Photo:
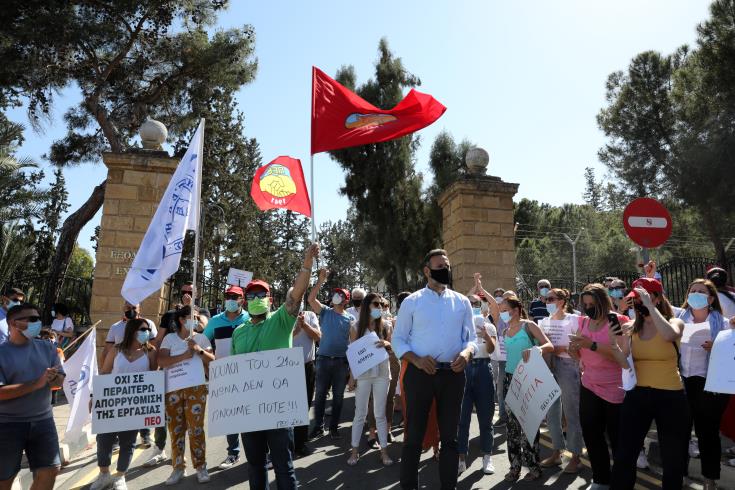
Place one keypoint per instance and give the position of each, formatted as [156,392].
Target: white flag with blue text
[80,369]
[160,251]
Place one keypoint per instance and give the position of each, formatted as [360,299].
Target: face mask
[590,312]
[12,303]
[356,303]
[143,336]
[53,313]
[337,299]
[131,314]
[191,324]
[698,300]
[259,306]
[375,313]
[498,299]
[34,328]
[232,305]
[551,308]
[641,310]
[385,315]
[616,293]
[631,313]
[477,311]
[442,276]
[544,291]
[505,316]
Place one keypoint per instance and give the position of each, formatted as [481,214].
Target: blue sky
[524,80]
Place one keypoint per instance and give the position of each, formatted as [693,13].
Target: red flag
[280,184]
[340,118]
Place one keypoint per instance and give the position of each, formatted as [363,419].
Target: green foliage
[81,264]
[341,251]
[14,250]
[20,198]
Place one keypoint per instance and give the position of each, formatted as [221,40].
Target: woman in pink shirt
[601,394]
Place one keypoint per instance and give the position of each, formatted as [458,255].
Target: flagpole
[313,201]
[200,176]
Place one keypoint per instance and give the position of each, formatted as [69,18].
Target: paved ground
[327,468]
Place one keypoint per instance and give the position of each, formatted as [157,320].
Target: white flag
[80,369]
[160,251]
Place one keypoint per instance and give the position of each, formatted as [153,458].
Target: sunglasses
[258,295]
[232,296]
[476,305]
[616,288]
[31,318]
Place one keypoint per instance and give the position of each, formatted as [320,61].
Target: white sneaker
[642,461]
[175,477]
[159,456]
[487,465]
[693,448]
[462,466]
[203,475]
[102,482]
[120,483]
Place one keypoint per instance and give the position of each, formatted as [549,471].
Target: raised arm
[316,306]
[670,330]
[293,300]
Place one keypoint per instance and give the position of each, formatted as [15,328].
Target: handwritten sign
[237,277]
[363,355]
[499,353]
[185,374]
[257,391]
[721,371]
[128,401]
[531,393]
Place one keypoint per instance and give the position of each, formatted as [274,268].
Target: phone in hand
[612,318]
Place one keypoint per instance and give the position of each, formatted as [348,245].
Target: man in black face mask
[435,333]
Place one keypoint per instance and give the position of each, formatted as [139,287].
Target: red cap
[234,290]
[258,282]
[343,292]
[480,295]
[649,284]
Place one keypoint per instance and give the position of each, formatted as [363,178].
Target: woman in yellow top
[658,393]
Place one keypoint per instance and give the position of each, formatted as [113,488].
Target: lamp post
[574,256]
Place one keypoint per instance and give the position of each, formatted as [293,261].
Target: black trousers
[301,433]
[706,411]
[599,418]
[447,388]
[670,410]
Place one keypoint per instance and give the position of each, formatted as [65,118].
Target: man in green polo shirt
[266,331]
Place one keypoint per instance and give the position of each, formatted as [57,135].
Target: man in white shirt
[306,334]
[435,333]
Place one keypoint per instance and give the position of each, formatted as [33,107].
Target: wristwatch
[593,347]
[201,352]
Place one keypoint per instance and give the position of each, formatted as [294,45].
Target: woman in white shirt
[134,354]
[62,324]
[185,349]
[375,380]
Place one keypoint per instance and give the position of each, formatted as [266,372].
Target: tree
[50,221]
[341,252]
[593,193]
[81,263]
[20,197]
[129,60]
[381,182]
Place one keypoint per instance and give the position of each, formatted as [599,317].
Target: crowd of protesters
[617,356]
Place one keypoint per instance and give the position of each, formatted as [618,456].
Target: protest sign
[499,353]
[558,330]
[237,277]
[185,374]
[363,355]
[695,333]
[128,401]
[721,371]
[532,391]
[257,391]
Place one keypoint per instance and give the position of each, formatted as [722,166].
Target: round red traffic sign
[647,222]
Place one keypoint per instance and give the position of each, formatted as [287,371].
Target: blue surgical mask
[232,305]
[505,316]
[616,293]
[375,313]
[698,300]
[143,336]
[551,308]
[12,303]
[544,292]
[53,313]
[477,311]
[34,328]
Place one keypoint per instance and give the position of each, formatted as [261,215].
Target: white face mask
[337,299]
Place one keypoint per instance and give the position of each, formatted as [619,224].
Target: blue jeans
[499,374]
[39,440]
[479,390]
[105,442]
[566,372]
[330,371]
[279,443]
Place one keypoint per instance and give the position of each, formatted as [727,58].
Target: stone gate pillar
[136,181]
[478,227]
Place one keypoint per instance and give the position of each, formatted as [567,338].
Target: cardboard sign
[721,371]
[237,277]
[532,391]
[129,401]
[185,374]
[257,391]
[363,355]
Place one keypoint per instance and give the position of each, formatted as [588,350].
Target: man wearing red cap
[219,332]
[267,331]
[332,368]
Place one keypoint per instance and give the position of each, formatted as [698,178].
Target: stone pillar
[136,181]
[478,231]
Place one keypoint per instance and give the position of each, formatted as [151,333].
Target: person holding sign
[374,381]
[703,320]
[558,327]
[659,392]
[522,336]
[134,354]
[187,354]
[267,331]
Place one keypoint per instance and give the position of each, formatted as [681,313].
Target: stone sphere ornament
[153,133]
[477,160]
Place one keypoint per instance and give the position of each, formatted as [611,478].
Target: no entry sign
[647,222]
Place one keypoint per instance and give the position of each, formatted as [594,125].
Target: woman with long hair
[134,354]
[521,336]
[374,381]
[601,394]
[658,394]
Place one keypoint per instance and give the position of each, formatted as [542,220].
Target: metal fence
[75,293]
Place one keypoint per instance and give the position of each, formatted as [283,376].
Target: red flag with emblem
[280,184]
[340,118]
